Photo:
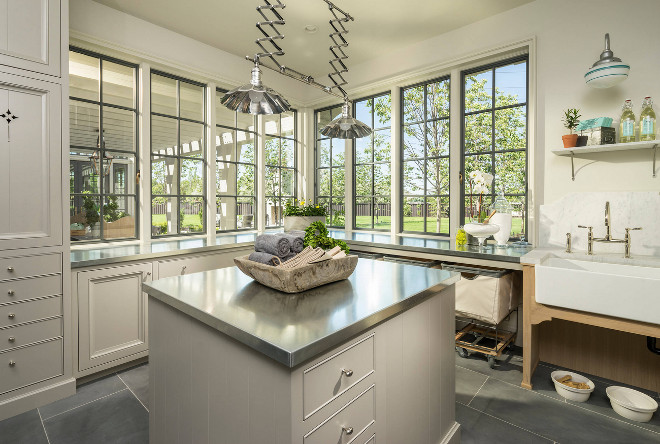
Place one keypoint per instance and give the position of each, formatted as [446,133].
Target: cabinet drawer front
[28,333]
[13,314]
[347,423]
[30,365]
[20,289]
[26,266]
[329,379]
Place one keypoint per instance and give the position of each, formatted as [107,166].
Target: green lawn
[188,219]
[417,224]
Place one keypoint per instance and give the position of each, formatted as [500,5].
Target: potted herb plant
[571,120]
[298,216]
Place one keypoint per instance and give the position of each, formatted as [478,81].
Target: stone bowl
[299,279]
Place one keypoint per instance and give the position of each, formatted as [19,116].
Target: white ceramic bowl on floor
[573,394]
[631,404]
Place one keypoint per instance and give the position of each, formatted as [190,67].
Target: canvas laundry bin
[484,294]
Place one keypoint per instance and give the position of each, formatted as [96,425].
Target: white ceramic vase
[299,223]
[481,231]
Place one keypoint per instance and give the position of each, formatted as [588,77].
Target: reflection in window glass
[235,144]
[495,135]
[329,169]
[177,155]
[280,162]
[103,147]
[372,207]
[425,132]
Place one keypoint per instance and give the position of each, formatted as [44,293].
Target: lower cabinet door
[112,314]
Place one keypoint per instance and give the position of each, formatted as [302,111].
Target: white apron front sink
[622,291]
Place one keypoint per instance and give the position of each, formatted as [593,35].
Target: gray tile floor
[490,406]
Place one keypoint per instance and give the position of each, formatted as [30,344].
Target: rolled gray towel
[262,258]
[295,240]
[272,244]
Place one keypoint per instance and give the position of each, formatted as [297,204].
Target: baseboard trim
[37,398]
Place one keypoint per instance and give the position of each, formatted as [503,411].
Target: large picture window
[178,120]
[329,162]
[372,165]
[235,155]
[103,147]
[280,164]
[495,135]
[425,157]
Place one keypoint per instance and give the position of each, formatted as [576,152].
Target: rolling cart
[484,298]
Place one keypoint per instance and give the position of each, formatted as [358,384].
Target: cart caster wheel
[491,362]
[463,353]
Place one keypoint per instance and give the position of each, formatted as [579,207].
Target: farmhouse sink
[623,291]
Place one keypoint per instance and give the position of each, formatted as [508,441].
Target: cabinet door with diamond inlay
[30,163]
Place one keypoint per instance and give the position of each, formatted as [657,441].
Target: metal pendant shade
[345,126]
[255,97]
[608,70]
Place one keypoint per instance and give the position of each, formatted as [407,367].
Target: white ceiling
[379,26]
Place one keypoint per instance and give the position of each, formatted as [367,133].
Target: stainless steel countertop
[294,328]
[90,255]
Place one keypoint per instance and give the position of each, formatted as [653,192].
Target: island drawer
[13,314]
[25,266]
[29,365]
[349,422]
[20,289]
[28,333]
[333,376]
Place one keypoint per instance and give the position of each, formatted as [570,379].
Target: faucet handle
[587,227]
[633,229]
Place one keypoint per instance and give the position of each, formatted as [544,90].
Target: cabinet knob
[347,430]
[12,339]
[10,292]
[10,269]
[12,363]
[12,315]
[347,372]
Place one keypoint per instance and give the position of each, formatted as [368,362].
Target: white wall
[98,27]
[570,37]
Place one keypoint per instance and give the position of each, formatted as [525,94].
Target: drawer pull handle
[347,372]
[10,292]
[12,315]
[12,363]
[10,269]
[12,339]
[347,430]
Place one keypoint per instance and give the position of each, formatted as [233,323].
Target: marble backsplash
[627,210]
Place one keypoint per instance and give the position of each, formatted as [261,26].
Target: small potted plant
[571,120]
[298,216]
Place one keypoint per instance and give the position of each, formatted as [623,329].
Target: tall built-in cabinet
[35,303]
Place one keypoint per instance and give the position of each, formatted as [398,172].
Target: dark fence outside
[194,207]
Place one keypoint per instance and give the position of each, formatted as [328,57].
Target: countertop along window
[103,147]
[178,119]
[235,145]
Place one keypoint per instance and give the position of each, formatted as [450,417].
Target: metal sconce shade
[346,127]
[608,70]
[255,98]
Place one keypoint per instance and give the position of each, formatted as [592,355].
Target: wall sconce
[608,70]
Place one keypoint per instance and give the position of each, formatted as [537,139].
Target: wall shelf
[594,149]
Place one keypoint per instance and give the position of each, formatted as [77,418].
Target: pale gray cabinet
[30,163]
[30,37]
[112,316]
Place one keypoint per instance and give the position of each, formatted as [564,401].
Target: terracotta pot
[570,140]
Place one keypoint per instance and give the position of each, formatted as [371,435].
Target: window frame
[373,196]
[401,157]
[235,129]
[330,167]
[492,152]
[280,197]
[178,157]
[136,152]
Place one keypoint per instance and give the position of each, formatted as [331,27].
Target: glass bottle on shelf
[627,125]
[647,121]
[503,218]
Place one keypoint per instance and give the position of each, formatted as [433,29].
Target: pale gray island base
[372,356]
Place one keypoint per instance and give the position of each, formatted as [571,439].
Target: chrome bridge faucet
[608,235]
